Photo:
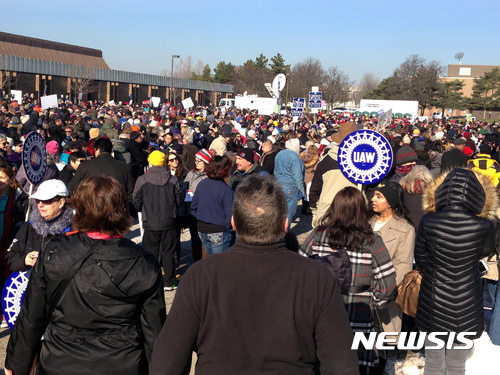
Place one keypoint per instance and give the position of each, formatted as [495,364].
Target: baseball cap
[50,189]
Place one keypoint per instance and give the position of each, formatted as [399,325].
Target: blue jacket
[213,202]
[289,169]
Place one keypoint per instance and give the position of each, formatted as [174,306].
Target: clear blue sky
[357,36]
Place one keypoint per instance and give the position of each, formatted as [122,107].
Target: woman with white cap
[51,217]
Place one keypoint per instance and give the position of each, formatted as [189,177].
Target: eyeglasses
[68,131]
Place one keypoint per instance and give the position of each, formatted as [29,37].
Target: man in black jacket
[257,308]
[157,194]
[138,152]
[245,166]
[69,170]
[105,165]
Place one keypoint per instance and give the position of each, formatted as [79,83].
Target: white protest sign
[384,120]
[188,103]
[156,101]
[49,101]
[16,95]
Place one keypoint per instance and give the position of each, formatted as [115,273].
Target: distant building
[466,74]
[44,67]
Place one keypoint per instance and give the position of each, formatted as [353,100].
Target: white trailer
[399,108]
[265,106]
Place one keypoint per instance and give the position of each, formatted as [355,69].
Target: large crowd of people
[235,179]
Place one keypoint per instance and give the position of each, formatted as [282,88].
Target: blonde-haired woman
[310,157]
[414,184]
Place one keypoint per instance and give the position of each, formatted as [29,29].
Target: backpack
[339,264]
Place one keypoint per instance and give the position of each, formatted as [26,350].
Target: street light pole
[172,77]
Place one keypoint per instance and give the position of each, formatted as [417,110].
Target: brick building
[467,74]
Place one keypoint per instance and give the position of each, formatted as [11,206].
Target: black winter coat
[104,164]
[108,318]
[158,195]
[452,237]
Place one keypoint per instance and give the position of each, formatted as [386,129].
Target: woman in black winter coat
[455,233]
[107,318]
[50,217]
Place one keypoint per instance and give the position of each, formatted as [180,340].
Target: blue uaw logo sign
[365,157]
[34,158]
[13,295]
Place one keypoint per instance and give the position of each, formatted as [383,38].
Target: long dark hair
[346,221]
[180,170]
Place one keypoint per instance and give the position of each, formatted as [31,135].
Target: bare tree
[251,78]
[214,97]
[183,69]
[368,83]
[80,81]
[337,86]
[7,79]
[416,79]
[306,74]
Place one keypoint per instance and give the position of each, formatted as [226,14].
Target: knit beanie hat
[405,155]
[204,155]
[93,133]
[389,193]
[52,147]
[247,154]
[485,149]
[134,135]
[156,158]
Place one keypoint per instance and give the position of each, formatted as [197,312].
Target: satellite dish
[459,56]
[270,90]
[279,83]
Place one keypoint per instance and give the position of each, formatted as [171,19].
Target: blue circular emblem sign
[365,157]
[13,295]
[34,158]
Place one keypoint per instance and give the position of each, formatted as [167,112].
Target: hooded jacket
[108,318]
[457,230]
[328,180]
[158,194]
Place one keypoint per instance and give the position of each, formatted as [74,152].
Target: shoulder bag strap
[56,297]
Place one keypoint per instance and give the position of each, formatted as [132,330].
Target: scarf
[55,226]
[405,169]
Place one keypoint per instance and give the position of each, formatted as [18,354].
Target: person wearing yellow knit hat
[157,194]
[156,158]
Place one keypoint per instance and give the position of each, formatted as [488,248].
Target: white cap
[50,189]
[251,132]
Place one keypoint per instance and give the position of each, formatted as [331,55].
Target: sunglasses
[46,202]
[4,143]
[174,159]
